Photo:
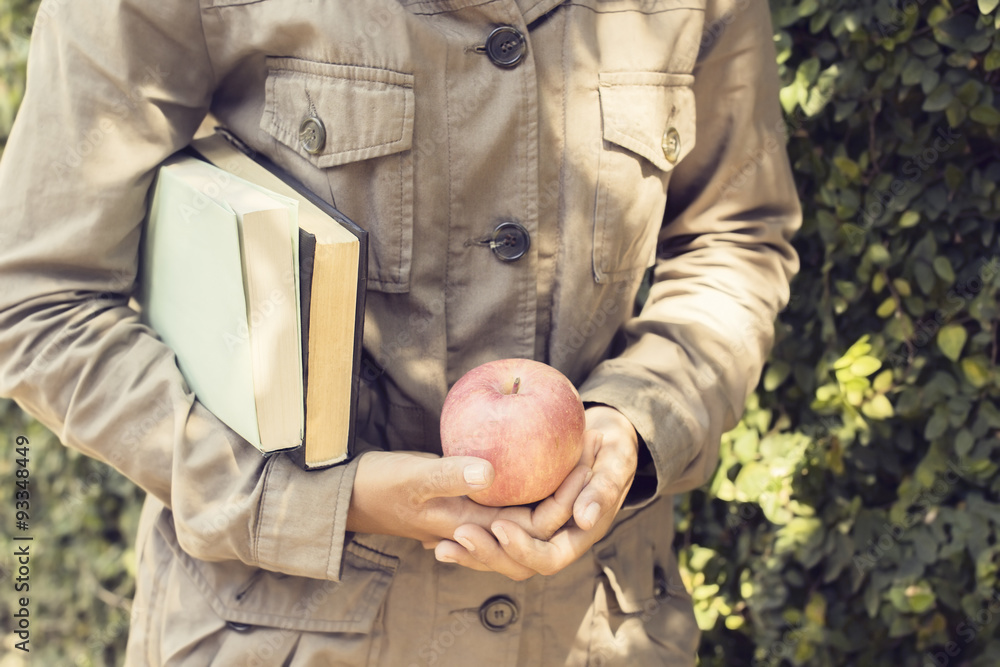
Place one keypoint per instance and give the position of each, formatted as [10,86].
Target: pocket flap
[239,593]
[363,112]
[627,561]
[651,114]
[637,558]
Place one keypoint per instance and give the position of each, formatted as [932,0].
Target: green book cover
[209,239]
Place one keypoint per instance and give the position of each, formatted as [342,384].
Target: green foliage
[83,514]
[15,26]
[83,517]
[854,515]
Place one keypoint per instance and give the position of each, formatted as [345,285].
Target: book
[219,284]
[332,280]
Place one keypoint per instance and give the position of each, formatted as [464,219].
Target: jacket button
[510,241]
[498,613]
[671,144]
[237,627]
[505,46]
[312,135]
[660,586]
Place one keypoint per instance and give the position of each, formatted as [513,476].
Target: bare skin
[422,496]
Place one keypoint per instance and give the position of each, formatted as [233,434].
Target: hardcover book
[318,299]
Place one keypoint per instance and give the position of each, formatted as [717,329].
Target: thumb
[454,476]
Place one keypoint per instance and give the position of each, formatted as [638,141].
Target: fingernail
[501,535]
[475,474]
[465,543]
[446,559]
[592,513]
[590,474]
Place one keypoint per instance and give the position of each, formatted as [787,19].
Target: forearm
[73,182]
[724,261]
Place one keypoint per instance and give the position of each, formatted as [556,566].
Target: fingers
[452,476]
[614,469]
[512,552]
[545,557]
[477,549]
[552,513]
[418,495]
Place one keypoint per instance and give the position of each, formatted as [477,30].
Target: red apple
[524,417]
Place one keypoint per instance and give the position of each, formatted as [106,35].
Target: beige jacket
[575,123]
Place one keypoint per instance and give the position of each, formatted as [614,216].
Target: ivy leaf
[936,426]
[987,6]
[776,373]
[865,366]
[920,598]
[976,372]
[942,267]
[939,98]
[951,339]
[985,114]
[883,381]
[925,276]
[992,59]
[886,308]
[909,219]
[847,167]
[878,408]
[964,442]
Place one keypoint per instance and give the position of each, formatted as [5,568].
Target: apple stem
[517,383]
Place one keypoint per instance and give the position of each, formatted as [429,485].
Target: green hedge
[854,516]
[83,515]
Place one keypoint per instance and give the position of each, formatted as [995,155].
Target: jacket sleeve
[724,260]
[114,87]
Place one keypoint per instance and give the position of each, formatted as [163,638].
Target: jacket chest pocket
[648,125]
[356,124]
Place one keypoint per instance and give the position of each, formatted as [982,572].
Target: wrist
[608,420]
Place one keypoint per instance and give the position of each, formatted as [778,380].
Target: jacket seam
[632,10]
[261,505]
[208,52]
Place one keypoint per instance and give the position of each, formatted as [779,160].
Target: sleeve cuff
[302,518]
[665,429]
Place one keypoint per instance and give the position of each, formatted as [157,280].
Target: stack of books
[258,286]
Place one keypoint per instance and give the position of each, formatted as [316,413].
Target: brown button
[671,144]
[312,135]
[505,46]
[498,613]
[510,241]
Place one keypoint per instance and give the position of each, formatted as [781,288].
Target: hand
[422,496]
[611,447]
